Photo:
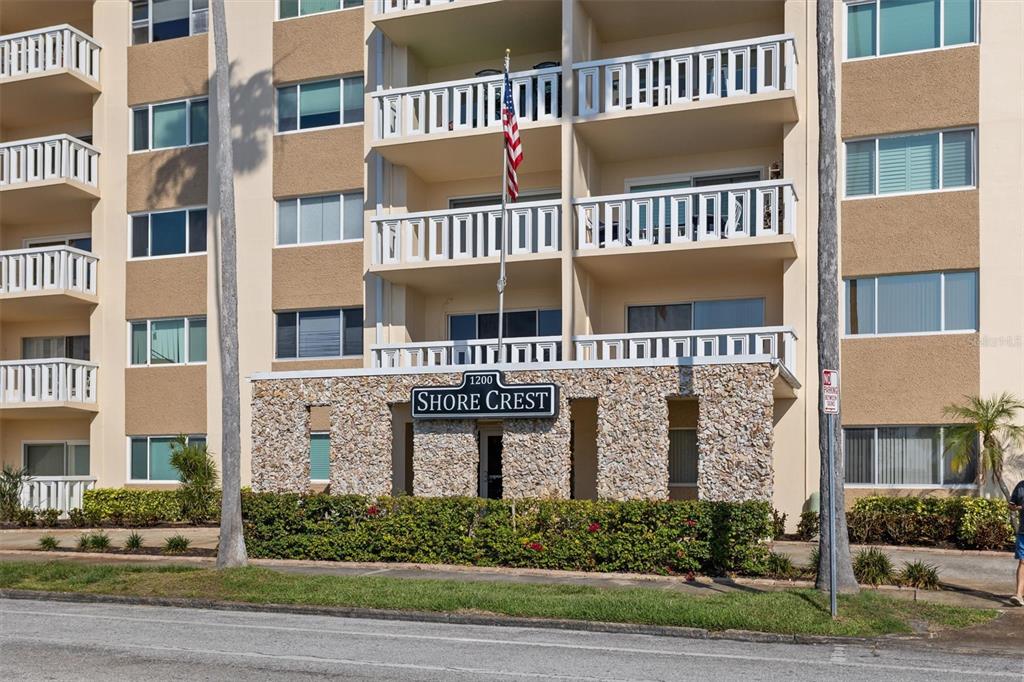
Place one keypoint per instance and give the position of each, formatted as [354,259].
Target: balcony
[520,350]
[688,100]
[57,387]
[383,7]
[62,493]
[48,76]
[47,179]
[754,215]
[46,282]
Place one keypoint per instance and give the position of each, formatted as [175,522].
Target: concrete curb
[448,618]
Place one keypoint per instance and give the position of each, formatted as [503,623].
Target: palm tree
[231,547]
[992,422]
[828,306]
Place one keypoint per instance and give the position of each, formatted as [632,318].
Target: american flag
[513,147]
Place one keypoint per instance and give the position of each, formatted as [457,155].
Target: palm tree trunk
[997,467]
[231,548]
[828,305]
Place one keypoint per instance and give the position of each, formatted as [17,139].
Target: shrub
[77,516]
[671,537]
[99,541]
[11,482]
[84,542]
[25,517]
[807,529]
[197,492]
[48,543]
[48,518]
[966,522]
[138,508]
[813,560]
[778,524]
[872,566]
[780,566]
[920,575]
[133,541]
[176,544]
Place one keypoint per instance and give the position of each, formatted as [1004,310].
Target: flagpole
[504,232]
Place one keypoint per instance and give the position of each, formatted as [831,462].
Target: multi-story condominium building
[661,257]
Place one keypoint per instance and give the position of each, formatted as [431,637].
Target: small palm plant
[992,421]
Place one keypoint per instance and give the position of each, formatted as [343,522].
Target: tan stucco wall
[166,70]
[165,400]
[169,178]
[11,333]
[914,233]
[318,276]
[854,493]
[318,161]
[150,284]
[318,46]
[935,89]
[306,365]
[15,432]
[906,379]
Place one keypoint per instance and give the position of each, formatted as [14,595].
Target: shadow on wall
[252,113]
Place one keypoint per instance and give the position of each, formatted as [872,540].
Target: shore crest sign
[485,395]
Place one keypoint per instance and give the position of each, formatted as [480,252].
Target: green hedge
[132,507]
[966,522]
[648,537]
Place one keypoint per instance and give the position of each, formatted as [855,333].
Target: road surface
[63,641]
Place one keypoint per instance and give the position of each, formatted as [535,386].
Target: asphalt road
[63,641]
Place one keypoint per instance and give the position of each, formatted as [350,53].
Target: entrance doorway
[490,462]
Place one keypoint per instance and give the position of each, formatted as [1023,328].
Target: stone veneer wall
[734,433]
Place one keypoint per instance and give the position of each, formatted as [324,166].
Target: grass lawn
[791,612]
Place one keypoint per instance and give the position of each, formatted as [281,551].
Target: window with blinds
[903,456]
[882,27]
[682,456]
[320,104]
[912,303]
[320,219]
[330,333]
[905,164]
[319,456]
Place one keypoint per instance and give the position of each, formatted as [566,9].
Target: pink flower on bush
[372,510]
[690,576]
[691,523]
[594,527]
[535,546]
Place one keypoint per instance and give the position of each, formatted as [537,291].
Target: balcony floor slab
[45,99]
[34,306]
[58,409]
[459,276]
[52,201]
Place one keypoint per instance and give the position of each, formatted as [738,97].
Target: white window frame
[692,303]
[149,114]
[188,238]
[942,180]
[149,341]
[128,456]
[898,486]
[341,333]
[30,242]
[298,223]
[319,433]
[476,314]
[68,444]
[686,485]
[942,306]
[298,98]
[878,32]
[630,183]
[192,13]
[300,15]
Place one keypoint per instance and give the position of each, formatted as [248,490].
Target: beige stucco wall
[149,283]
[934,89]
[166,70]
[321,276]
[906,379]
[318,161]
[165,400]
[913,233]
[170,178]
[318,46]
[11,333]
[14,433]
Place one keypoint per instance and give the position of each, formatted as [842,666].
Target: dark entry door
[492,445]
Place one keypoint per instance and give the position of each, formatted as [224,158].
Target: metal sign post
[830,405]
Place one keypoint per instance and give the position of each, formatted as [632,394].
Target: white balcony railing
[520,350]
[49,49]
[457,234]
[47,268]
[742,344]
[697,214]
[25,382]
[469,104]
[395,6]
[742,67]
[48,158]
[63,493]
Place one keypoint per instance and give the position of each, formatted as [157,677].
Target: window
[294,8]
[518,324]
[320,333]
[682,457]
[495,199]
[150,457]
[168,233]
[908,304]
[155,20]
[83,242]
[320,456]
[170,124]
[320,104]
[57,459]
[905,164]
[902,456]
[44,347]
[724,314]
[881,27]
[314,220]
[171,341]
